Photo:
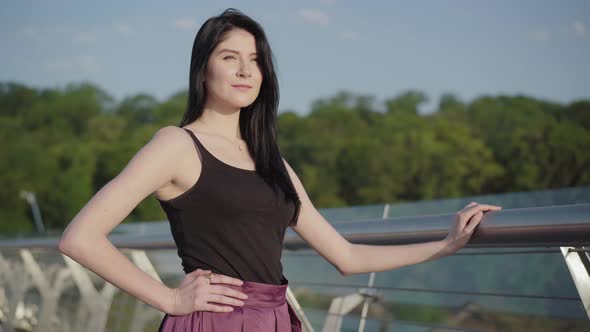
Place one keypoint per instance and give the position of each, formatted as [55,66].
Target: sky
[380,48]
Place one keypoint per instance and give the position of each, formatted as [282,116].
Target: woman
[229,197]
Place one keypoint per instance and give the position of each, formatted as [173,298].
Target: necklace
[227,138]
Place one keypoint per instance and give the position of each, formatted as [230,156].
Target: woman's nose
[244,73]
[244,70]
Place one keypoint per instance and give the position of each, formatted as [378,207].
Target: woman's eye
[233,57]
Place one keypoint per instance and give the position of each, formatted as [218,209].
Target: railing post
[49,292]
[371,283]
[15,282]
[305,324]
[93,311]
[578,263]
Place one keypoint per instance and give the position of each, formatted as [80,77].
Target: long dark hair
[258,121]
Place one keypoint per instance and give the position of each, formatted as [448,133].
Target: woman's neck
[224,124]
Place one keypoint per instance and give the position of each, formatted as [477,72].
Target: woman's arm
[351,258]
[372,258]
[85,238]
[365,258]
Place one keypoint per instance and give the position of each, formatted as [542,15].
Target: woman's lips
[242,87]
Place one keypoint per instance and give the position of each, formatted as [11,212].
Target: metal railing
[565,228]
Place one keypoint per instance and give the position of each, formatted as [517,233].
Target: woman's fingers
[200,286]
[468,218]
[215,287]
[465,223]
[223,279]
[475,220]
[222,290]
[472,210]
[223,299]
[467,206]
[192,277]
[198,272]
[475,203]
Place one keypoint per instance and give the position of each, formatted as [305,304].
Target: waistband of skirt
[262,295]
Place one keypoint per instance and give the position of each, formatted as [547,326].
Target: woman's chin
[243,104]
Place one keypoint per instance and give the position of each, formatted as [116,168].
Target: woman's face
[233,62]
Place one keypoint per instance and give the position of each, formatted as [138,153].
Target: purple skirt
[265,309]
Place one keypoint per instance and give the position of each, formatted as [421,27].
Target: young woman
[229,196]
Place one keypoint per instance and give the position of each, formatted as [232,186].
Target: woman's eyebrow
[234,51]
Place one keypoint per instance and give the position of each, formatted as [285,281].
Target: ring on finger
[210,276]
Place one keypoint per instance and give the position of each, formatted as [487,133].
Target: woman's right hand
[465,223]
[196,293]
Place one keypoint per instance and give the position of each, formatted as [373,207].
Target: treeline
[64,144]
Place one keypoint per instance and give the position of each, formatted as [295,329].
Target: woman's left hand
[465,222]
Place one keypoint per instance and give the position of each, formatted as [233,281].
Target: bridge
[526,268]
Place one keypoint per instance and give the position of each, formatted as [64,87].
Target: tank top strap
[201,150]
[210,160]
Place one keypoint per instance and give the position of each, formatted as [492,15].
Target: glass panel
[352,213]
[564,196]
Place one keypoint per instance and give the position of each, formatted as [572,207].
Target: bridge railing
[45,290]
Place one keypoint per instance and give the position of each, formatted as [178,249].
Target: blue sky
[380,48]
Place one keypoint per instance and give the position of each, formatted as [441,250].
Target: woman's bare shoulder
[158,161]
[176,153]
[170,134]
[172,140]
[172,145]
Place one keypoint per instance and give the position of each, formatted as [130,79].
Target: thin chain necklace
[227,138]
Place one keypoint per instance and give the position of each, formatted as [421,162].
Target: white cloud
[61,31]
[124,29]
[579,28]
[186,24]
[83,63]
[314,17]
[349,35]
[575,29]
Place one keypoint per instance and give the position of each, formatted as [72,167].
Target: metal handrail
[432,291]
[563,226]
[548,226]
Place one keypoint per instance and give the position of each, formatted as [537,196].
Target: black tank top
[230,222]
